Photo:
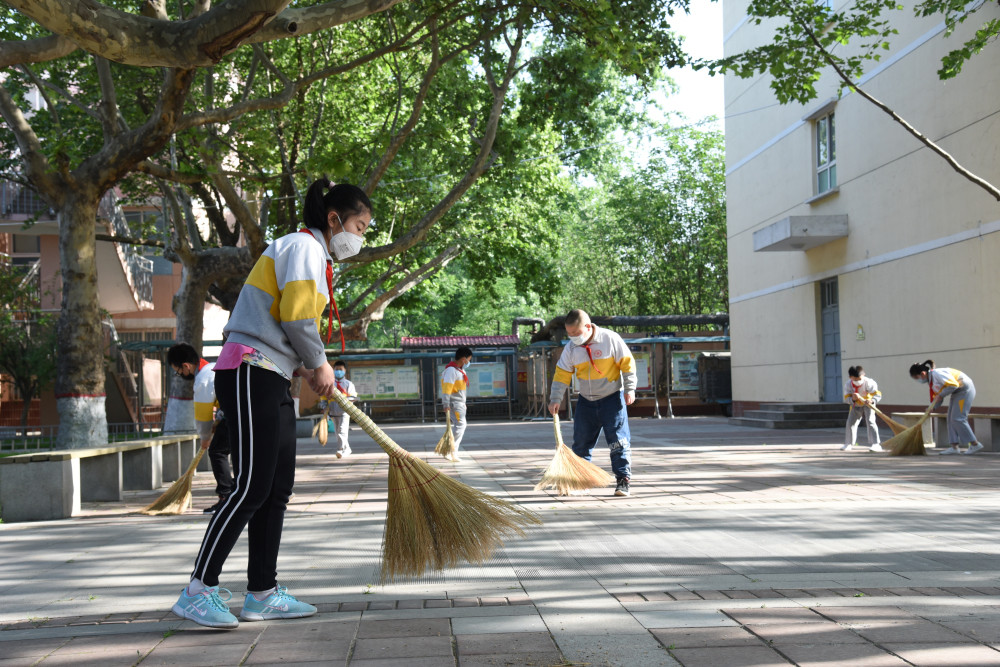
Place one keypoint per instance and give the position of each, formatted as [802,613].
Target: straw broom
[446,445]
[568,472]
[911,441]
[177,498]
[432,520]
[896,427]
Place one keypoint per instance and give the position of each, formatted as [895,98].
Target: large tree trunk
[79,384]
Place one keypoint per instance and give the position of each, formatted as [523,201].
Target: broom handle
[369,427]
[555,423]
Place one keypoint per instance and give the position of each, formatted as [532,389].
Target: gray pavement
[739,546]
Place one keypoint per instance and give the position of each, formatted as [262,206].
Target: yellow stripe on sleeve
[263,278]
[301,301]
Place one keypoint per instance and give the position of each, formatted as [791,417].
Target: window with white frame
[826,153]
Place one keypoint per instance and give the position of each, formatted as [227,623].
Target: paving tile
[863,614]
[839,655]
[436,661]
[657,597]
[354,606]
[29,648]
[739,595]
[691,618]
[770,615]
[712,595]
[911,632]
[437,604]
[489,644]
[402,647]
[202,654]
[987,632]
[385,604]
[497,624]
[704,637]
[805,633]
[626,598]
[466,602]
[413,627]
[684,595]
[410,604]
[552,658]
[273,652]
[138,641]
[493,602]
[946,655]
[744,656]
[309,631]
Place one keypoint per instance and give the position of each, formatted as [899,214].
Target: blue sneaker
[206,608]
[279,604]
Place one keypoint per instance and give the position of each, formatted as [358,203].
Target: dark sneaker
[622,488]
[214,508]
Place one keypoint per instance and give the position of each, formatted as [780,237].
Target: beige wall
[918,269]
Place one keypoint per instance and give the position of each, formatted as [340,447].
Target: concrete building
[850,242]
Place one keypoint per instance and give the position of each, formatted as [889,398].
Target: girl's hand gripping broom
[432,520]
[909,442]
[177,498]
[568,472]
[446,445]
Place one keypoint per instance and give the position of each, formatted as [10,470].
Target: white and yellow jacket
[453,387]
[204,399]
[867,388]
[946,381]
[609,368]
[279,309]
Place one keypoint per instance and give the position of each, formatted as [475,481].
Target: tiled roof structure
[456,341]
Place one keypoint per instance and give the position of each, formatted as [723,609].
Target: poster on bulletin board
[642,375]
[485,379]
[381,383]
[684,370]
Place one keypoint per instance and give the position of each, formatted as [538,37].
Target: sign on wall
[380,383]
[485,379]
[642,377]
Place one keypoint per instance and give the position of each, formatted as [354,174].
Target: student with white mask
[272,334]
[605,374]
[861,393]
[952,382]
[454,383]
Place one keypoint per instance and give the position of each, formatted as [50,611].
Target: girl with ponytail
[950,382]
[272,334]
[861,393]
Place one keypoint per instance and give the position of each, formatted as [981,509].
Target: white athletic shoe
[346,451]
[876,448]
[951,450]
[973,448]
[454,458]
[846,447]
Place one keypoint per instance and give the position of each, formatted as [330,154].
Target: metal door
[830,318]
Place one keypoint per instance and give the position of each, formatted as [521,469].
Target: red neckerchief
[202,364]
[343,390]
[586,346]
[456,366]
[333,302]
[930,386]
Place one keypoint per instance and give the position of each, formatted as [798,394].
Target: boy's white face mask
[344,244]
[582,338]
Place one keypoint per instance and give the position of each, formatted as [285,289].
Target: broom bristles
[322,429]
[432,520]
[896,427]
[177,498]
[910,442]
[568,472]
[446,445]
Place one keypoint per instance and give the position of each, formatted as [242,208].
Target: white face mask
[344,244]
[582,338]
[466,364]
[922,380]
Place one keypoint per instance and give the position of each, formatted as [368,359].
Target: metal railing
[18,199]
[18,439]
[138,268]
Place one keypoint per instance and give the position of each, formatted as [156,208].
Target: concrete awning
[800,232]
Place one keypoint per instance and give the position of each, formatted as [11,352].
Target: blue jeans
[607,413]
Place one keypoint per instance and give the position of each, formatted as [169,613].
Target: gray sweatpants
[959,405]
[857,413]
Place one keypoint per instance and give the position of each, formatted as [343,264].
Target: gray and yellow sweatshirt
[279,309]
[602,367]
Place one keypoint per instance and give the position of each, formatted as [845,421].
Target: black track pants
[261,416]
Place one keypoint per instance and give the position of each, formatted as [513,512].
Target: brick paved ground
[738,547]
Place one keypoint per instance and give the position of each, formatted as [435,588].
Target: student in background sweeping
[188,364]
[605,373]
[273,334]
[454,383]
[951,382]
[861,393]
[341,420]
